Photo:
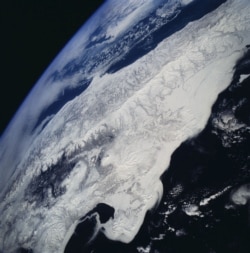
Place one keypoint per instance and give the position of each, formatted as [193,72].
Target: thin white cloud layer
[186,2]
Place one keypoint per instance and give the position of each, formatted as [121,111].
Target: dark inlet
[85,230]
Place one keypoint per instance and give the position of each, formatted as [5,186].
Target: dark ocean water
[86,228]
[66,96]
[189,13]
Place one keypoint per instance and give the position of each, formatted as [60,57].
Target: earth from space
[137,136]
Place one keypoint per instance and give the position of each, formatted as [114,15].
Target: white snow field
[148,108]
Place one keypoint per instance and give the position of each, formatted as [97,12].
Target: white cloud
[186,2]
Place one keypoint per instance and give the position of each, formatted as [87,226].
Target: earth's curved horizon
[33,33]
[136,137]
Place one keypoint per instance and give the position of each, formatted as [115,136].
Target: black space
[32,33]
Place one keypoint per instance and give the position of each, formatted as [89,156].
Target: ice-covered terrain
[111,142]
